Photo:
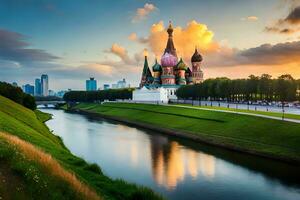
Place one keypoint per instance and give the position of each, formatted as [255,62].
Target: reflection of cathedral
[169,75]
[171,163]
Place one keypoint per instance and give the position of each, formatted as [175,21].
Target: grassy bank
[267,113]
[27,125]
[37,174]
[268,137]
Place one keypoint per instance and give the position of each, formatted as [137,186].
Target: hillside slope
[24,123]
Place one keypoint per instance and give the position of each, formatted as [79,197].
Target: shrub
[17,95]
[101,95]
[93,168]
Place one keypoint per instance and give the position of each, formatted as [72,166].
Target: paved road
[290,110]
[231,105]
[240,113]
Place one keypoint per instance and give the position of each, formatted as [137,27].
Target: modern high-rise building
[91,85]
[29,89]
[121,84]
[38,88]
[44,85]
[52,93]
[106,86]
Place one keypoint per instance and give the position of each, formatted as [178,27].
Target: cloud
[13,47]
[250,18]
[266,54]
[142,13]
[218,55]
[275,29]
[9,64]
[87,69]
[120,52]
[294,16]
[290,3]
[185,39]
[134,37]
[288,25]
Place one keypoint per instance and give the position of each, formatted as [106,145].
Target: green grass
[267,113]
[262,135]
[43,117]
[27,125]
[63,107]
[28,178]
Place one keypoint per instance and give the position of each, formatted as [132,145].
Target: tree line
[100,95]
[254,88]
[17,95]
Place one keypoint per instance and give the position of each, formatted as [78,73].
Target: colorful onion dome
[181,65]
[196,57]
[168,60]
[156,67]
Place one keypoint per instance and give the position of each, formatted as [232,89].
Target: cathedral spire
[146,74]
[170,48]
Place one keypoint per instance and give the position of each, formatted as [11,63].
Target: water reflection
[176,168]
[171,162]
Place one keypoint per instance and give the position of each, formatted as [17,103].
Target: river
[175,168]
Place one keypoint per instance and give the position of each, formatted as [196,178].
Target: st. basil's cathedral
[167,77]
[171,71]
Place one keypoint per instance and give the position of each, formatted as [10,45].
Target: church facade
[169,75]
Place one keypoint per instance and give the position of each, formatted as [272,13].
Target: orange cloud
[142,13]
[185,39]
[121,52]
[105,70]
[243,71]
[132,37]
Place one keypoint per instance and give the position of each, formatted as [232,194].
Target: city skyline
[237,38]
[40,86]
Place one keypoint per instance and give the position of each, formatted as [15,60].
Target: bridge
[47,103]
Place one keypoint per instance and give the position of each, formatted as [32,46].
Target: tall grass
[51,166]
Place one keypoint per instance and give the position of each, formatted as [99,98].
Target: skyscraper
[91,85]
[106,86]
[44,85]
[38,88]
[29,89]
[121,84]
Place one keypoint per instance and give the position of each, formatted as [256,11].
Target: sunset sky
[73,40]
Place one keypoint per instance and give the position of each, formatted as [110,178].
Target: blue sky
[82,33]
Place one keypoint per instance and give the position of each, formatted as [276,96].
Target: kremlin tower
[197,73]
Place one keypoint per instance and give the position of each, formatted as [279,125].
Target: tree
[29,102]
[286,88]
[298,89]
[101,95]
[252,87]
[265,87]
[17,95]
